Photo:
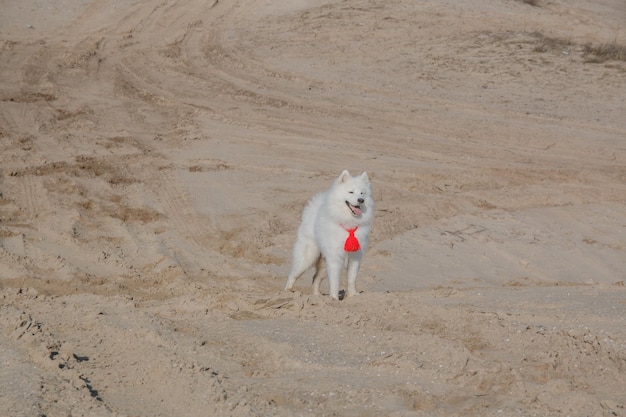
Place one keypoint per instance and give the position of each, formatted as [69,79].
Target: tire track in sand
[189,238]
[32,196]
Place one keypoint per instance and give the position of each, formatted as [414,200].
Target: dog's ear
[365,178]
[345,176]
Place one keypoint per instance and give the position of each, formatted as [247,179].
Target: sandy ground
[156,156]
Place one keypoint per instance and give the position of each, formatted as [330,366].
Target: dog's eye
[351,192]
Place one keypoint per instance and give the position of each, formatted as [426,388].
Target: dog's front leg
[354,262]
[333,268]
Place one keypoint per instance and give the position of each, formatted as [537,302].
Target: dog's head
[355,194]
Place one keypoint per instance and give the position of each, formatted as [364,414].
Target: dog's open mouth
[356,210]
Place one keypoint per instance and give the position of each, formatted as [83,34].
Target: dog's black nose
[361,201]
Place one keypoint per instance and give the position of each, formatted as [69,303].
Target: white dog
[335,225]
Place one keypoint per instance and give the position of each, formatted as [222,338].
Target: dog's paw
[352,294]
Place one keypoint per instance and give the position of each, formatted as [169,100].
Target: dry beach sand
[156,155]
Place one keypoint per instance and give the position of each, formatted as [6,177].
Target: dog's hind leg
[304,256]
[317,277]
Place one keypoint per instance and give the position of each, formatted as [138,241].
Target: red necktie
[352,243]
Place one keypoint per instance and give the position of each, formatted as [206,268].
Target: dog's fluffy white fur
[324,230]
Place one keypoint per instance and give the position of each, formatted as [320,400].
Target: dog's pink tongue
[356,210]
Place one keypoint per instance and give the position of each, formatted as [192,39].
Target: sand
[155,158]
